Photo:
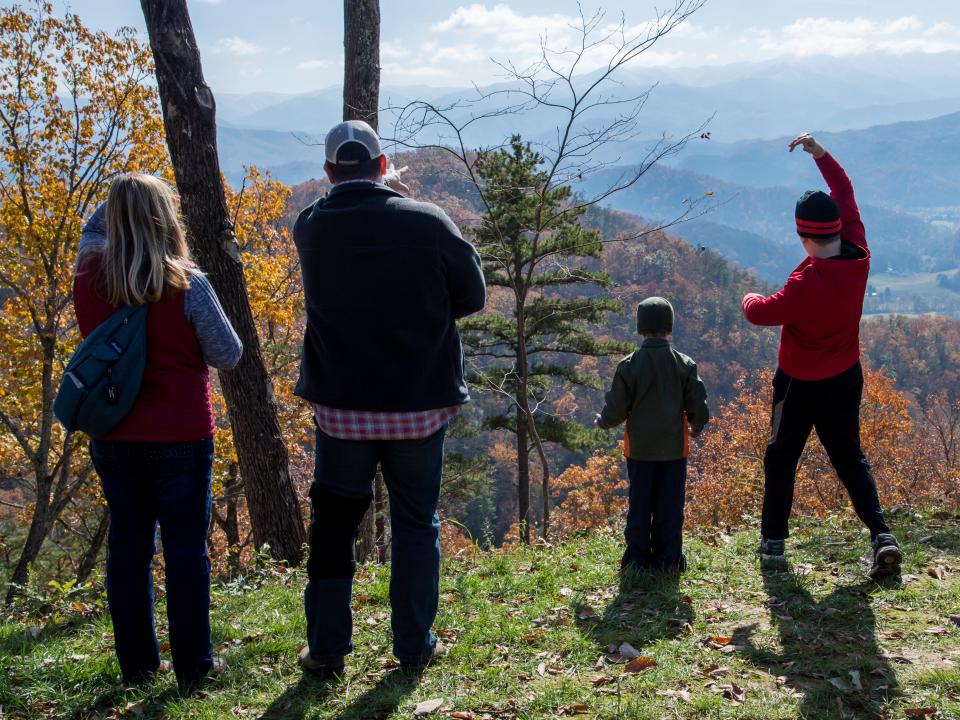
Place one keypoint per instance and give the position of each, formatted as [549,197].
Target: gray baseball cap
[352,132]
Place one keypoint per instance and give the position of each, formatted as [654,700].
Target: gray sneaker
[771,550]
[887,556]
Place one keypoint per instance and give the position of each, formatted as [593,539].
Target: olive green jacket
[657,391]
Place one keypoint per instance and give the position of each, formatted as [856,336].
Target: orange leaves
[638,665]
[591,494]
[725,477]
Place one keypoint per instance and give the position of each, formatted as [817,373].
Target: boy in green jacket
[657,391]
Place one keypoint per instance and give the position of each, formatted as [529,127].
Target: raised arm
[94,232]
[841,189]
[219,344]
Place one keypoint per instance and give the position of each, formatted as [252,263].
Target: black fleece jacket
[384,279]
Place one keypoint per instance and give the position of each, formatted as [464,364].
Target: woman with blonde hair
[155,466]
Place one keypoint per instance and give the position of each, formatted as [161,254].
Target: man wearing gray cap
[384,279]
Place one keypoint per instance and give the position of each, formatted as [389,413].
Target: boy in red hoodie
[819,381]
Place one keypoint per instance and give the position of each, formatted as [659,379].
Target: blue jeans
[654,531]
[145,483]
[341,492]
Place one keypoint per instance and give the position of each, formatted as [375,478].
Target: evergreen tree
[538,321]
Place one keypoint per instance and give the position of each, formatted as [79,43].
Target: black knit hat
[818,215]
[655,315]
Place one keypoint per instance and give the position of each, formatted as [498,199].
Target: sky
[294,46]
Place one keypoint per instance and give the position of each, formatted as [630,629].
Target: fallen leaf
[716,672]
[937,631]
[601,680]
[133,708]
[462,716]
[542,669]
[428,707]
[926,712]
[719,640]
[939,572]
[639,664]
[566,592]
[840,684]
[682,694]
[855,679]
[586,612]
[79,658]
[574,709]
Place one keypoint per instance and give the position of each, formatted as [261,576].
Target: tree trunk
[361,101]
[380,518]
[189,114]
[39,527]
[89,560]
[523,475]
[361,67]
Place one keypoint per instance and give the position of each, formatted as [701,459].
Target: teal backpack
[102,380]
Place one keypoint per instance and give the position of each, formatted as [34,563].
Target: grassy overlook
[530,631]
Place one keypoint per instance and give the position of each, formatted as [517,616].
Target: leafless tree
[579,86]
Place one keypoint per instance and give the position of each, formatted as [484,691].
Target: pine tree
[539,318]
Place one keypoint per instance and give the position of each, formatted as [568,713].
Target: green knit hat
[655,315]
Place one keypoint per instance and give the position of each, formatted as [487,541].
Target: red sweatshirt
[174,401]
[821,304]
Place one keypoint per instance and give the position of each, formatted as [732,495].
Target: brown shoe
[326,667]
[439,651]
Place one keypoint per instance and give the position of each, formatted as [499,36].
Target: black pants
[654,531]
[832,407]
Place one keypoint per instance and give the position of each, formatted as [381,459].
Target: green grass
[529,632]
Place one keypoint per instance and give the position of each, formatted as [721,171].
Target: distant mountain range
[894,122]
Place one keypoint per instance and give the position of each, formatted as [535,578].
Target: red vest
[174,402]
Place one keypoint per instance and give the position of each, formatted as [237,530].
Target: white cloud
[393,50]
[828,36]
[316,65]
[236,46]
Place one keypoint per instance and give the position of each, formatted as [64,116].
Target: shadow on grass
[823,641]
[647,608]
[376,703]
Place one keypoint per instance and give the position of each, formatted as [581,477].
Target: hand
[809,144]
[393,180]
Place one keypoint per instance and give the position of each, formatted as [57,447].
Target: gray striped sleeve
[219,344]
[94,233]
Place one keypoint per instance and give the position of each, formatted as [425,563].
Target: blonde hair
[146,251]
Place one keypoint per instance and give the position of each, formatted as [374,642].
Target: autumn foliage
[912,447]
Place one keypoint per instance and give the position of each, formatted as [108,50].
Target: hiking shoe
[887,556]
[324,667]
[439,650]
[771,550]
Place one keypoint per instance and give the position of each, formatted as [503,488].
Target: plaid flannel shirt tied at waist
[378,425]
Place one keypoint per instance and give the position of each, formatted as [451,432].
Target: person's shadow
[647,608]
[828,649]
[378,702]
